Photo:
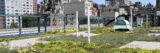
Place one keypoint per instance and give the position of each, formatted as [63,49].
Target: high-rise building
[120,2]
[124,2]
[138,4]
[35,10]
[110,2]
[1,22]
[158,5]
[16,7]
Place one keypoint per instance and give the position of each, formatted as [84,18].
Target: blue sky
[144,2]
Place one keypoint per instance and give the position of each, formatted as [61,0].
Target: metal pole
[89,39]
[77,23]
[131,19]
[115,19]
[45,24]
[38,23]
[64,24]
[98,21]
[20,25]
[146,20]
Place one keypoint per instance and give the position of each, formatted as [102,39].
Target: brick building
[1,22]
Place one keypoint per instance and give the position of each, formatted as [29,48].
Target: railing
[43,24]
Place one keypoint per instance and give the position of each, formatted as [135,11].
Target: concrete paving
[23,43]
[143,45]
[153,34]
[83,33]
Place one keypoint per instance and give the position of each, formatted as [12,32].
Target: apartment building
[81,6]
[120,2]
[16,7]
[1,22]
[158,13]
[158,5]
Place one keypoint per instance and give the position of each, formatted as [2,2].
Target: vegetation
[80,47]
[116,40]
[14,25]
[50,5]
[74,47]
[146,25]
[107,35]
[28,22]
[108,41]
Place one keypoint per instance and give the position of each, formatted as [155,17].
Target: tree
[28,22]
[14,25]
[49,5]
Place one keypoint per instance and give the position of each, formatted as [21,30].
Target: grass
[116,39]
[80,47]
[107,42]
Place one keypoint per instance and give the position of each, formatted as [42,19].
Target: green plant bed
[80,47]
[155,28]
[154,31]
[115,40]
[68,47]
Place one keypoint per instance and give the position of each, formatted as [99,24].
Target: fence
[30,25]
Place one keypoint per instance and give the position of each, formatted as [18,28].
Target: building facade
[158,12]
[124,2]
[158,5]
[120,2]
[81,6]
[16,7]
[1,22]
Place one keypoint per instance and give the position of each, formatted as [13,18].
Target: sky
[144,2]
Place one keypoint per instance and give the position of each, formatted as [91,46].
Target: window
[120,22]
[16,10]
[8,20]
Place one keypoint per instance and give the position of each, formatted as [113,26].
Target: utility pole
[77,23]
[89,39]
[20,25]
[131,18]
[146,20]
[115,19]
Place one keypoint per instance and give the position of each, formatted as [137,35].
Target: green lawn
[107,42]
[107,36]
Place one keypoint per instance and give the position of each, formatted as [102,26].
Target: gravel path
[143,45]
[23,43]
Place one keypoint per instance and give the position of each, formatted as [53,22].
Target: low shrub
[146,25]
[67,47]
[80,47]
[102,30]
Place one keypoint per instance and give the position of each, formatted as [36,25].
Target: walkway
[143,45]
[23,43]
